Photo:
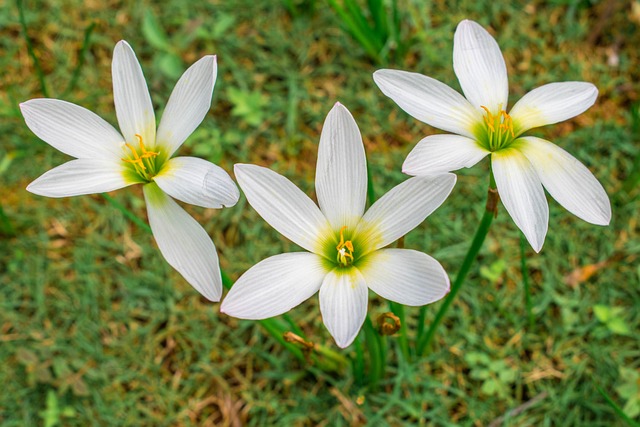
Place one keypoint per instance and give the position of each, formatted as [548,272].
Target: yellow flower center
[499,129]
[143,160]
[345,250]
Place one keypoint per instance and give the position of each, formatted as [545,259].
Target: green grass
[95,328]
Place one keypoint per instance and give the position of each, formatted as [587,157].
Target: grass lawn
[96,329]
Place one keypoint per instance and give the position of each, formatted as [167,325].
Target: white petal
[402,209]
[284,206]
[552,103]
[567,180]
[188,104]
[480,67]
[275,285]
[72,129]
[521,194]
[429,101]
[184,243]
[437,154]
[343,304]
[405,276]
[341,173]
[198,182]
[81,176]
[131,97]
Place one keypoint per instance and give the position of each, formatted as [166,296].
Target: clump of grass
[377,27]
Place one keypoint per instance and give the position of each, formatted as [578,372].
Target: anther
[345,249]
[145,154]
[137,160]
[488,118]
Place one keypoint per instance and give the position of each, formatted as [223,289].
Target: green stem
[81,56]
[403,340]
[358,362]
[30,50]
[270,325]
[525,281]
[127,213]
[483,229]
[375,343]
[376,361]
[276,330]
[422,319]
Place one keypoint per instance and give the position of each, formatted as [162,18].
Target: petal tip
[466,24]
[34,188]
[122,44]
[339,108]
[537,246]
[239,167]
[379,76]
[225,305]
[210,58]
[604,220]
[215,298]
[344,343]
[235,197]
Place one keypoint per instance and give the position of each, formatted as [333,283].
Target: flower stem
[375,343]
[334,361]
[358,363]
[81,57]
[525,281]
[270,325]
[376,360]
[483,229]
[403,341]
[127,213]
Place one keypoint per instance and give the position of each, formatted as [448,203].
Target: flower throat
[499,129]
[345,250]
[144,161]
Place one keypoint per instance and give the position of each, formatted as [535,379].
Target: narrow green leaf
[30,50]
[618,410]
[81,57]
[355,30]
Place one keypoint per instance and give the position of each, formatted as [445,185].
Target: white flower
[344,243]
[107,160]
[521,165]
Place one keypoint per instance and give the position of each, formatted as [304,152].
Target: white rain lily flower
[521,165]
[345,256]
[107,160]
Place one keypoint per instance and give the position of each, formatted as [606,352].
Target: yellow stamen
[137,160]
[139,157]
[507,123]
[488,118]
[499,128]
[145,154]
[345,250]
